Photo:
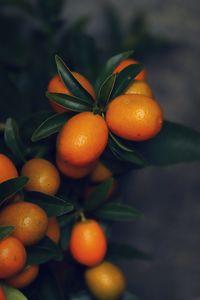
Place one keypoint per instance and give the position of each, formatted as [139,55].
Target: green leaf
[174,144]
[125,251]
[54,206]
[97,197]
[111,64]
[50,126]
[118,212]
[31,122]
[64,220]
[71,83]
[106,90]
[69,102]
[13,140]
[124,78]
[11,187]
[12,294]
[123,152]
[43,252]
[5,231]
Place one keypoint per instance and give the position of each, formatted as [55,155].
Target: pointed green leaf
[97,197]
[106,90]
[11,187]
[12,294]
[124,78]
[126,251]
[123,152]
[174,144]
[70,102]
[64,220]
[54,206]
[111,64]
[50,126]
[5,231]
[33,121]
[43,252]
[118,212]
[71,83]
[13,140]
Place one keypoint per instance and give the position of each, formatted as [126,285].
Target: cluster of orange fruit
[134,116]
[30,222]
[88,242]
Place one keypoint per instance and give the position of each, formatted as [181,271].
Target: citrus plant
[58,182]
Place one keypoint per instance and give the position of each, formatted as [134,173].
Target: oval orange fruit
[82,139]
[88,242]
[72,171]
[43,176]
[139,87]
[7,168]
[12,257]
[23,278]
[30,221]
[134,117]
[105,281]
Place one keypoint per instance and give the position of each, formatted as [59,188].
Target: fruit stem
[82,216]
[96,110]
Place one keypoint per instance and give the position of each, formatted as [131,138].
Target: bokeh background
[165,35]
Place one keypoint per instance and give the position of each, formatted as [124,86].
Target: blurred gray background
[170,197]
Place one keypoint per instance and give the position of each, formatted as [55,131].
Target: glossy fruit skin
[57,86]
[100,173]
[88,243]
[23,278]
[7,168]
[105,281]
[127,62]
[30,221]
[82,139]
[72,171]
[139,87]
[43,176]
[53,230]
[134,117]
[2,294]
[12,257]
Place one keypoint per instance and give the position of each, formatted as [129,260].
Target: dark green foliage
[29,42]
[11,187]
[5,231]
